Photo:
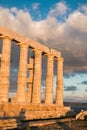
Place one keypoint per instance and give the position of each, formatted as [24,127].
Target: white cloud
[59,9]
[70,36]
[35,6]
[78,21]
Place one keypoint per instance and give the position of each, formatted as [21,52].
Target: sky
[61,25]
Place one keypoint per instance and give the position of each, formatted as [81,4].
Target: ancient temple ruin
[30,101]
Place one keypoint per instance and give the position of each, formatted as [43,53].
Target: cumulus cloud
[70,88]
[59,9]
[68,36]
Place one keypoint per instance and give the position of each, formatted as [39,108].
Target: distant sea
[77,109]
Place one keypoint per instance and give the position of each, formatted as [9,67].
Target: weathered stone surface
[27,104]
[36,97]
[21,91]
[49,80]
[81,115]
[59,84]
[21,39]
[5,70]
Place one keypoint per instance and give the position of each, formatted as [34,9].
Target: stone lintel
[5,37]
[22,44]
[20,38]
[55,53]
[49,55]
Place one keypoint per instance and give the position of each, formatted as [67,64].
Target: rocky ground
[65,124]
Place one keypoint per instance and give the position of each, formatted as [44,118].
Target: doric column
[5,69]
[21,90]
[29,93]
[49,80]
[36,97]
[59,85]
[30,81]
[0,60]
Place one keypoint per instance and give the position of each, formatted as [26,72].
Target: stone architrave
[21,91]
[49,79]
[36,96]
[5,69]
[59,84]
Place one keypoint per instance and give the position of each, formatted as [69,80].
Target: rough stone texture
[21,39]
[59,87]
[81,115]
[34,111]
[5,70]
[21,91]
[49,80]
[30,68]
[36,97]
[27,103]
[55,53]
[8,124]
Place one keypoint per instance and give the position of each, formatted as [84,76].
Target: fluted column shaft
[30,84]
[59,85]
[21,91]
[5,70]
[36,97]
[49,80]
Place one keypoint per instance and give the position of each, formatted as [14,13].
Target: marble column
[59,85]
[5,70]
[29,93]
[22,74]
[0,60]
[36,97]
[49,80]
[30,83]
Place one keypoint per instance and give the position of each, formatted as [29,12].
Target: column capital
[5,37]
[49,55]
[22,45]
[37,50]
[59,59]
